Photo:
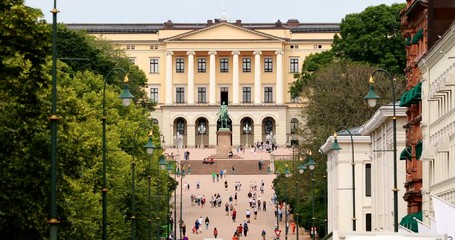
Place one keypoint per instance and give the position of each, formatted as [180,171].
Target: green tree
[373,36]
[24,45]
[25,153]
[311,64]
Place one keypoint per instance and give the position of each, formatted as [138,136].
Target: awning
[410,223]
[413,96]
[419,147]
[417,36]
[406,153]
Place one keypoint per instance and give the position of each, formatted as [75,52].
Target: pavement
[217,215]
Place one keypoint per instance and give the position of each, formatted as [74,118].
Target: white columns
[235,135]
[169,77]
[212,134]
[191,135]
[279,77]
[212,70]
[257,132]
[235,77]
[190,77]
[257,77]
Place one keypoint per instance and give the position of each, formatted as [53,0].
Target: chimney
[209,22]
[238,22]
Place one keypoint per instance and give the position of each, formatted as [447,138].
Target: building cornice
[381,116]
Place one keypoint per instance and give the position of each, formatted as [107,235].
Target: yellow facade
[193,68]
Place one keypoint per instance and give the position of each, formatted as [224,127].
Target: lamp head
[149,146]
[311,163]
[335,146]
[287,173]
[371,98]
[126,95]
[162,162]
[302,167]
[169,168]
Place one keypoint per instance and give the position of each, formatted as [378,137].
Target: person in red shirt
[240,230]
[215,233]
[234,215]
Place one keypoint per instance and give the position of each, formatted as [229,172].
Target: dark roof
[155,27]
[117,28]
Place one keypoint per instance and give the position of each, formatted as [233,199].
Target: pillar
[169,69]
[191,135]
[212,82]
[212,134]
[235,135]
[235,77]
[190,77]
[257,77]
[279,77]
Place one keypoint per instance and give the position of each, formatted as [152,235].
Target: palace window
[368,180]
[180,95]
[201,95]
[268,65]
[201,65]
[246,64]
[294,65]
[246,94]
[180,65]
[294,125]
[224,65]
[368,222]
[154,65]
[268,94]
[154,94]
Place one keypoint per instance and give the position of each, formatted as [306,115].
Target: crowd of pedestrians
[253,199]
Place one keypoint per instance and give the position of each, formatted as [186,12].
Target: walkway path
[217,215]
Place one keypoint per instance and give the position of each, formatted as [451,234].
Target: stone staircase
[242,167]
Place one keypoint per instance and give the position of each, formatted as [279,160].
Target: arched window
[268,125]
[294,125]
[181,126]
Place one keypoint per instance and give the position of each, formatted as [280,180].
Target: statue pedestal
[224,143]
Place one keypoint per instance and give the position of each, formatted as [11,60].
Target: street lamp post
[53,221]
[201,129]
[371,98]
[181,174]
[149,147]
[246,130]
[126,100]
[311,165]
[336,149]
[287,174]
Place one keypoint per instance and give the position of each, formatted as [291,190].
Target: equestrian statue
[223,115]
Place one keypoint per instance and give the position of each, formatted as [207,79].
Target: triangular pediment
[224,32]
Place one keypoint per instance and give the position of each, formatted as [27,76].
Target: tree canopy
[25,103]
[373,36]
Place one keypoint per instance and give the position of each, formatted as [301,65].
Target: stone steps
[242,167]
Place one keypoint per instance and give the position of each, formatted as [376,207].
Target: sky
[199,11]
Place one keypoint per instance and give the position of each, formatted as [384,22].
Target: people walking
[263,234]
[234,215]
[225,185]
[215,233]
[183,229]
[245,229]
[207,222]
[248,214]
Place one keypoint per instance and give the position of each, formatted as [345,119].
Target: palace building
[192,68]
